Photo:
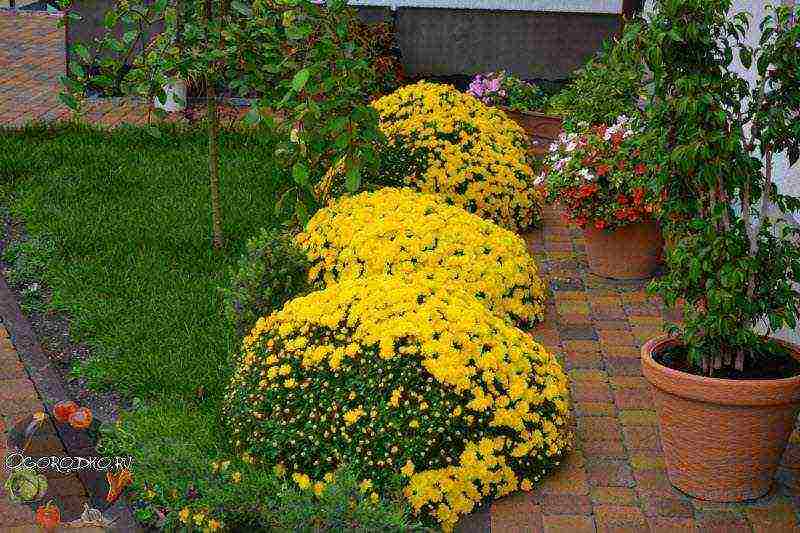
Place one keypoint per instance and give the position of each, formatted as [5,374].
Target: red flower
[620,214]
[621,164]
[583,141]
[600,224]
[601,130]
[640,169]
[638,195]
[587,161]
[616,139]
[622,199]
[636,152]
[602,170]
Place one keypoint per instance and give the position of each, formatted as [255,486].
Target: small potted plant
[522,102]
[600,179]
[727,393]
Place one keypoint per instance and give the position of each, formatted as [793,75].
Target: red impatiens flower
[616,139]
[622,199]
[600,224]
[601,130]
[638,195]
[621,164]
[640,169]
[602,170]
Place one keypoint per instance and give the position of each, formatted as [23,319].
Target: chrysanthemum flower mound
[402,232]
[404,381]
[472,154]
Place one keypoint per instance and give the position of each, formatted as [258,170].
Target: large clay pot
[542,130]
[630,252]
[722,438]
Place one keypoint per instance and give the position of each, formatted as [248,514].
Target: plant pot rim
[739,392]
[536,114]
[590,227]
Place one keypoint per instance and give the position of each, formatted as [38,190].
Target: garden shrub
[607,86]
[272,270]
[471,154]
[402,380]
[399,231]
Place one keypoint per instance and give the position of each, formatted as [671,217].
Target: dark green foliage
[736,266]
[608,86]
[271,271]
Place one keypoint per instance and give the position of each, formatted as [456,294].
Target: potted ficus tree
[600,177]
[522,101]
[727,394]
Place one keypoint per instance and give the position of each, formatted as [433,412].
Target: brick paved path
[31,61]
[616,479]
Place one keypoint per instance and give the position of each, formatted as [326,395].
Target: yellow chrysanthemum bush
[471,154]
[403,232]
[407,381]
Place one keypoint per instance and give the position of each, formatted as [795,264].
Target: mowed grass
[134,267]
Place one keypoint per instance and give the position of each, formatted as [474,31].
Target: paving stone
[638,417]
[660,524]
[637,382]
[604,449]
[571,504]
[599,428]
[577,333]
[610,324]
[778,517]
[623,366]
[621,352]
[622,515]
[616,338]
[590,391]
[613,495]
[609,473]
[658,505]
[569,523]
[647,461]
[720,522]
[517,514]
[630,398]
[594,408]
[588,375]
[641,438]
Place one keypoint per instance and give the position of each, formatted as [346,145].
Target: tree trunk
[213,163]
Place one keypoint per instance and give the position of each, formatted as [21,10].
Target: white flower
[627,134]
[561,163]
[571,146]
[538,180]
[622,119]
[554,147]
[585,174]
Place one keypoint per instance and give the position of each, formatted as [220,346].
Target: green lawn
[130,218]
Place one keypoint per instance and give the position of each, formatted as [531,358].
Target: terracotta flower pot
[630,252]
[722,438]
[542,130]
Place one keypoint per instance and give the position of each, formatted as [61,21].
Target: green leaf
[110,19]
[252,117]
[153,132]
[353,178]
[300,173]
[77,69]
[68,100]
[82,51]
[300,79]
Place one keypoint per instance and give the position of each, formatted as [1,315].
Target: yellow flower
[365,485]
[352,416]
[236,477]
[199,518]
[328,477]
[319,488]
[184,515]
[302,480]
[214,525]
[279,470]
[408,469]
[413,424]
[374,498]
